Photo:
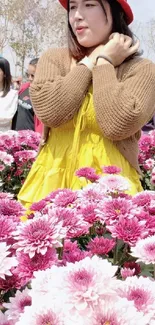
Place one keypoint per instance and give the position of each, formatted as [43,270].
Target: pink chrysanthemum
[101,245]
[126,272]
[114,183]
[144,250]
[27,266]
[11,208]
[149,164]
[111,170]
[71,220]
[144,143]
[141,291]
[79,228]
[91,193]
[89,213]
[38,206]
[150,225]
[129,230]
[2,167]
[11,282]
[72,253]
[6,262]
[6,158]
[4,320]
[110,210]
[17,304]
[153,176]
[87,172]
[39,234]
[7,226]
[24,156]
[151,207]
[143,198]
[50,197]
[65,197]
[6,195]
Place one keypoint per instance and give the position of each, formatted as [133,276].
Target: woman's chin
[87,45]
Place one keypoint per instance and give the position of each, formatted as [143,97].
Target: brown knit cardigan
[124,97]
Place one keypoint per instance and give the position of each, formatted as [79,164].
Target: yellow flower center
[23,218]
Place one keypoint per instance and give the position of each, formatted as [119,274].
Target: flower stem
[115,253]
[60,251]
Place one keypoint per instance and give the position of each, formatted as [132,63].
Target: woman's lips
[80,30]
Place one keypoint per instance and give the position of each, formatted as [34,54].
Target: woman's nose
[78,14]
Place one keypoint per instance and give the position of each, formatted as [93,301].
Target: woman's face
[1,76]
[89,23]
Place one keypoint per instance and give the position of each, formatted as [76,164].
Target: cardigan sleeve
[123,107]
[56,96]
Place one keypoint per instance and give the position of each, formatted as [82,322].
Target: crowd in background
[16,111]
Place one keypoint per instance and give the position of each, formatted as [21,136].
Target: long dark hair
[120,25]
[5,67]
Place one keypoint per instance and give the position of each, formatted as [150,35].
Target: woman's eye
[72,7]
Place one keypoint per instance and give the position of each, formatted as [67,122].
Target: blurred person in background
[149,126]
[8,96]
[25,118]
[16,83]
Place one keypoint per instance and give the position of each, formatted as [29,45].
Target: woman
[8,96]
[25,118]
[94,97]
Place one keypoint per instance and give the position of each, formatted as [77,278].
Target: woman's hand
[118,48]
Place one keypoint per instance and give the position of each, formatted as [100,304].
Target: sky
[144,10]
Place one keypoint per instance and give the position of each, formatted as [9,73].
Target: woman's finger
[115,36]
[128,42]
[133,49]
[122,39]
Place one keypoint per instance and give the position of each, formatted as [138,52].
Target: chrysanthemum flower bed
[147,159]
[18,151]
[83,257]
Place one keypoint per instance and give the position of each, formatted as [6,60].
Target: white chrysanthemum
[6,262]
[88,281]
[117,312]
[141,291]
[4,320]
[78,286]
[48,283]
[144,250]
[114,183]
[42,314]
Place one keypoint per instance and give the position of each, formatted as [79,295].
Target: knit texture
[124,97]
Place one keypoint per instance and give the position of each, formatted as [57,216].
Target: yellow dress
[75,144]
